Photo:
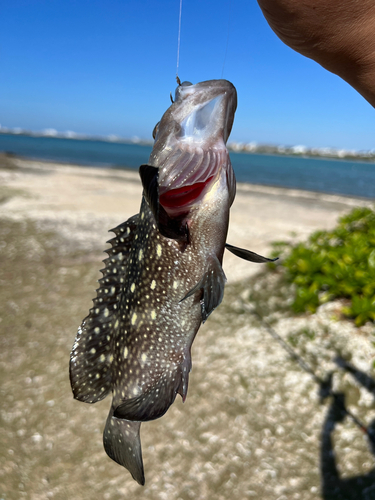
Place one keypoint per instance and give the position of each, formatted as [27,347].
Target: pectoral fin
[150,182]
[247,254]
[212,285]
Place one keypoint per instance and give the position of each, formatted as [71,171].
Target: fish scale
[163,275]
[160,326]
[148,315]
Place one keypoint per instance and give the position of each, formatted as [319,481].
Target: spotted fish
[163,275]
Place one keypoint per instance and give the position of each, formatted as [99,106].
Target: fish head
[190,145]
[201,115]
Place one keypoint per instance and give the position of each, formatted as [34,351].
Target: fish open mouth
[187,176]
[192,136]
[183,196]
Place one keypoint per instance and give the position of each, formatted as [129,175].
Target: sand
[82,196]
[251,425]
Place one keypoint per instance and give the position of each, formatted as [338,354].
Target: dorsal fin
[90,359]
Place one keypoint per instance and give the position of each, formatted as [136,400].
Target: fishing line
[227,43]
[178,42]
[307,368]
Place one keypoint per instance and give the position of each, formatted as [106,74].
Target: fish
[163,276]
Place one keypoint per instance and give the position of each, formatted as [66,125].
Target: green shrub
[335,264]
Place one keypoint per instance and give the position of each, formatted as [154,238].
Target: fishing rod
[324,384]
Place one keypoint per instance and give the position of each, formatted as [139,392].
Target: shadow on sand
[333,486]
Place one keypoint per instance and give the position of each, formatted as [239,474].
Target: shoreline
[319,153]
[241,186]
[84,203]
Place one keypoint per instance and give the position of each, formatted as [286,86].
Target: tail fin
[122,443]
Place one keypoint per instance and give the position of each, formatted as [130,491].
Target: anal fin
[152,404]
[212,285]
[248,254]
[122,444]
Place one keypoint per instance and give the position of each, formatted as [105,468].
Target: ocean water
[329,176]
[82,152]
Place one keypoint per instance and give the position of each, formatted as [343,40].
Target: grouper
[163,276]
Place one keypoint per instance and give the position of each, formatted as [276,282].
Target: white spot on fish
[134,318]
[140,255]
[106,313]
[132,288]
[153,315]
[126,352]
[158,250]
[153,285]
[144,357]
[93,350]
[175,284]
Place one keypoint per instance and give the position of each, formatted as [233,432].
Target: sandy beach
[93,200]
[251,425]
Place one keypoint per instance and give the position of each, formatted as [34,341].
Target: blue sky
[107,67]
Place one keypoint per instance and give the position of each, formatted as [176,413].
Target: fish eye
[179,89]
[155,131]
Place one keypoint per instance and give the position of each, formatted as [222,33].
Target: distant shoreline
[125,167]
[234,147]
[333,175]
[264,152]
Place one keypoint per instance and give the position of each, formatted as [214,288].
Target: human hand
[338,34]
